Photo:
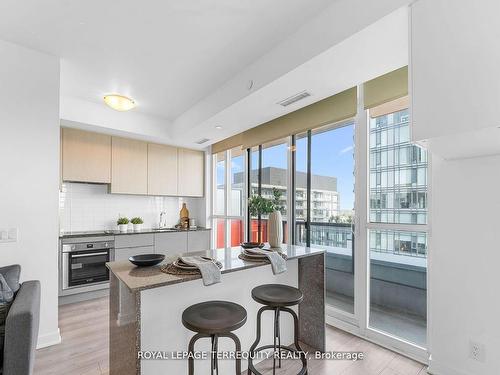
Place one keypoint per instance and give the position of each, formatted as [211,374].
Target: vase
[184,217]
[123,227]
[137,227]
[275,229]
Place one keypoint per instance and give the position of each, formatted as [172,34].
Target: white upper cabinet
[86,156]
[162,169]
[191,173]
[129,166]
[454,62]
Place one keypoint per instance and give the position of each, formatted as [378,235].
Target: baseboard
[438,368]
[49,339]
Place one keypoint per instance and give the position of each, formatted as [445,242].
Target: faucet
[163,220]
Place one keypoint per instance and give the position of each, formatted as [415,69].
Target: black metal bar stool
[277,298]
[214,319]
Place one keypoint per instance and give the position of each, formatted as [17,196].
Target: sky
[331,155]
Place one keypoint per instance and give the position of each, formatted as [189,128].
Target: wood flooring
[84,349]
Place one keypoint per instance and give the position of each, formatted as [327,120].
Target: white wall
[98,117]
[464,265]
[29,182]
[454,61]
[86,207]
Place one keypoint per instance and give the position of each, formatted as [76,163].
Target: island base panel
[124,329]
[312,328]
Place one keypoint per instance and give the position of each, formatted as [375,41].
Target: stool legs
[257,338]
[237,344]
[277,340]
[191,350]
[296,336]
[214,363]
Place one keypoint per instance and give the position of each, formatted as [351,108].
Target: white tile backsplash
[87,207]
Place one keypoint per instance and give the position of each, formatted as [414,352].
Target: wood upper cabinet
[191,173]
[162,169]
[129,166]
[86,156]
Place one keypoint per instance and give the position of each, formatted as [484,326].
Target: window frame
[214,217]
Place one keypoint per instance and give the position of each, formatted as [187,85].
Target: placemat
[173,270]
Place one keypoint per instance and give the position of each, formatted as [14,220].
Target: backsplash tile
[87,207]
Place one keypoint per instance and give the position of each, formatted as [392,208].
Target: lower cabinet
[171,243]
[199,240]
[127,252]
[133,244]
[168,243]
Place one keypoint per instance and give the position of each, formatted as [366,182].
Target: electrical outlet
[8,235]
[476,351]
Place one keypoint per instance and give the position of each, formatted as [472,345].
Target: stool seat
[214,317]
[277,295]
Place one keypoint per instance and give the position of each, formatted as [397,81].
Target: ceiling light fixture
[119,102]
[218,127]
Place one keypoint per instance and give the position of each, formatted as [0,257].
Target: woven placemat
[171,269]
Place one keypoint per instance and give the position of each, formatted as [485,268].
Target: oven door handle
[88,255]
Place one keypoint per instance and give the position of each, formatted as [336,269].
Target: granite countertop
[140,278]
[118,233]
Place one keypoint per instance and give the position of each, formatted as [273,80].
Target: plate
[146,260]
[253,255]
[250,245]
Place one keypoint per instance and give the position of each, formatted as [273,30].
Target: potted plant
[123,223]
[137,222]
[258,205]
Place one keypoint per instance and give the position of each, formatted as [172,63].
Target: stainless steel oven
[83,264]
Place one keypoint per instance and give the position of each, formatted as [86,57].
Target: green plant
[137,220]
[258,205]
[122,221]
[277,200]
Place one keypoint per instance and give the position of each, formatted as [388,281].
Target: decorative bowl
[251,245]
[146,260]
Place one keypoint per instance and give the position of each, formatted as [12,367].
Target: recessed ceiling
[166,54]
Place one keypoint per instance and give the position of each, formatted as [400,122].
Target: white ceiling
[188,63]
[167,54]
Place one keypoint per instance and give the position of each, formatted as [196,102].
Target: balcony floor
[400,324]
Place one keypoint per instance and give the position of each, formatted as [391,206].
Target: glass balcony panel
[398,286]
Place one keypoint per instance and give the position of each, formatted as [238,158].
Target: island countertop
[141,278]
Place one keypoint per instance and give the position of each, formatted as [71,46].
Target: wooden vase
[184,216]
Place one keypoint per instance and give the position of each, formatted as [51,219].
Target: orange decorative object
[184,217]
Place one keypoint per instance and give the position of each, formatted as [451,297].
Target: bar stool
[278,298]
[214,319]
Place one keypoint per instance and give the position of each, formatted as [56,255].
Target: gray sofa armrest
[21,330]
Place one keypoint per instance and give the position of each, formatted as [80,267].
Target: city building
[325,199]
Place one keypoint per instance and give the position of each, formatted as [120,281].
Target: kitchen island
[146,305]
